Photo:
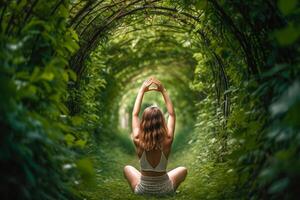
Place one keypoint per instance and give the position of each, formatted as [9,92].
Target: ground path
[204,180]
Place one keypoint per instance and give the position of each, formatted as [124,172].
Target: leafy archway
[69,74]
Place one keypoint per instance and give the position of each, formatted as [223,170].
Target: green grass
[205,179]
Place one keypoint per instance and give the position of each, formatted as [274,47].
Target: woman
[153,140]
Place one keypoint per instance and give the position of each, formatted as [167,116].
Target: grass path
[205,180]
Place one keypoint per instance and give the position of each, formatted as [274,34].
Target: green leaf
[72,75]
[292,117]
[74,35]
[63,11]
[62,107]
[28,91]
[287,6]
[35,74]
[29,175]
[71,45]
[267,174]
[47,76]
[201,4]
[77,120]
[274,70]
[65,76]
[80,143]
[86,169]
[85,166]
[279,186]
[33,24]
[287,35]
[69,139]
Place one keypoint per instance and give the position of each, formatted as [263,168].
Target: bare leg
[177,176]
[132,175]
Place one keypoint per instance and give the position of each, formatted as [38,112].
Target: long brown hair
[153,129]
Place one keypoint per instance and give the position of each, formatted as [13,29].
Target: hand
[160,87]
[146,85]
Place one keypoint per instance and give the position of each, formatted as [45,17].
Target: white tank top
[160,167]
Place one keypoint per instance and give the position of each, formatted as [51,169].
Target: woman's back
[154,162]
[155,134]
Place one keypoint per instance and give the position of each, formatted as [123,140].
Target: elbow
[135,114]
[172,114]
[134,137]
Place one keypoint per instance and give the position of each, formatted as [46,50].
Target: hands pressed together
[152,81]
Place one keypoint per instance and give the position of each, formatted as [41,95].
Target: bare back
[154,156]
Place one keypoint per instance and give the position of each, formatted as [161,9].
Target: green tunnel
[69,76]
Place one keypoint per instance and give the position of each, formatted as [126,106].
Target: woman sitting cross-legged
[153,139]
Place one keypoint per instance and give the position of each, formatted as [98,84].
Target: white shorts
[154,185]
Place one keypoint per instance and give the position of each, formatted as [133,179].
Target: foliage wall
[36,128]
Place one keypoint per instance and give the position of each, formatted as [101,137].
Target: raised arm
[137,107]
[170,108]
